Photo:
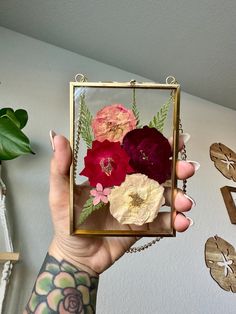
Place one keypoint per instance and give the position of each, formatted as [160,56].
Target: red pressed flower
[106,163]
[149,153]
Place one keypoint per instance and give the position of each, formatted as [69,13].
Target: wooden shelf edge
[9,256]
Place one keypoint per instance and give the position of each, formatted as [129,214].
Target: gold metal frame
[175,89]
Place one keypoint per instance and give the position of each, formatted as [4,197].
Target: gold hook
[132,82]
[80,77]
[171,80]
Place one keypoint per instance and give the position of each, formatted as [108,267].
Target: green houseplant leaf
[11,116]
[13,142]
[19,117]
[4,110]
[22,117]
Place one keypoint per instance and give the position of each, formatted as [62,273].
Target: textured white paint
[7,267]
[194,40]
[170,277]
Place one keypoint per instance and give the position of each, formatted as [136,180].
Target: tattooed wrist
[62,288]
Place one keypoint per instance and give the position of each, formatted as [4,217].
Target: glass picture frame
[110,118]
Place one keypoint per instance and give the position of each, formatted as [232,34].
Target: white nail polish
[185,137]
[191,199]
[51,135]
[191,221]
[195,164]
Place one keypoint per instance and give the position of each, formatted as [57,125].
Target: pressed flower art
[126,164]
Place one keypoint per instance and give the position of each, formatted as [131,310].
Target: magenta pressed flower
[106,163]
[149,152]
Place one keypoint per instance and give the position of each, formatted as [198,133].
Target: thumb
[59,173]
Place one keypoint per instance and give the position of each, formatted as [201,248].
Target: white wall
[168,278]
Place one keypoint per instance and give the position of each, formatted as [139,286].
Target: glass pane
[122,160]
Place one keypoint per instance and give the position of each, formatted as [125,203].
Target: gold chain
[143,247]
[183,156]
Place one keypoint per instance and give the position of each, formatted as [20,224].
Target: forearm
[62,288]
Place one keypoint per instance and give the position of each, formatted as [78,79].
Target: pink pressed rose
[100,194]
[113,122]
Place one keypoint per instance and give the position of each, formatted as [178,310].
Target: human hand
[96,254]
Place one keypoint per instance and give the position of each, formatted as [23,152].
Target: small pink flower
[100,194]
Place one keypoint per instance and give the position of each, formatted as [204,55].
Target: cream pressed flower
[137,200]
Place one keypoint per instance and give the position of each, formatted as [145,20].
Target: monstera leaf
[220,257]
[13,142]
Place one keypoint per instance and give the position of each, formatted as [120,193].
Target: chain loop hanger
[183,156]
[80,78]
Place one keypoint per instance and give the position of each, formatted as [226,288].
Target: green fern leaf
[159,119]
[135,109]
[85,121]
[136,114]
[88,209]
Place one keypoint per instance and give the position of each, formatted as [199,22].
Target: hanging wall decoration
[220,258]
[224,159]
[122,157]
[13,143]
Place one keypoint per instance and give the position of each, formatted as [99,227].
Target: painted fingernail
[52,135]
[191,222]
[195,164]
[185,137]
[191,199]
